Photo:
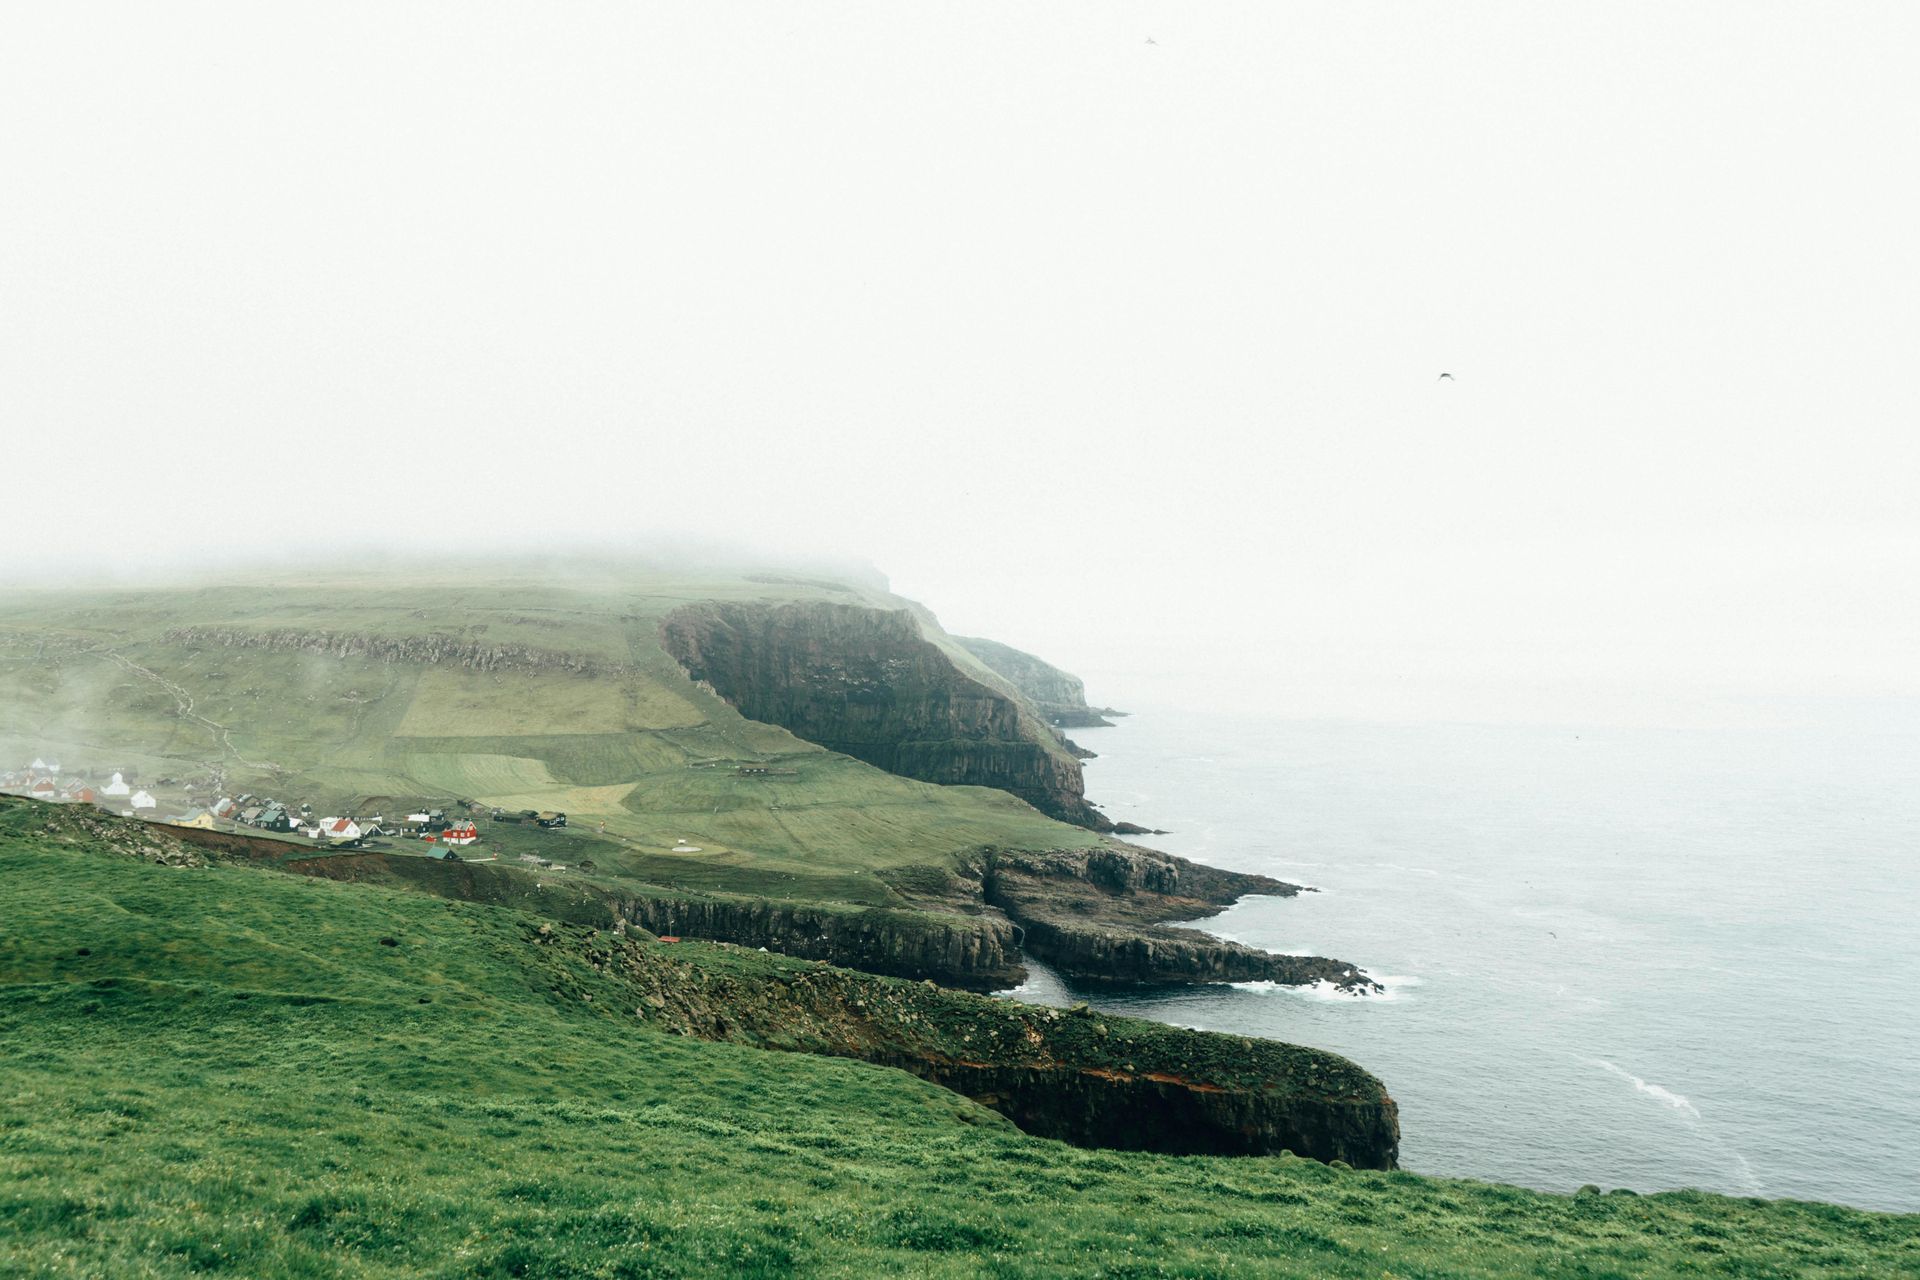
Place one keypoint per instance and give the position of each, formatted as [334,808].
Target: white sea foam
[1666,1097]
[1395,984]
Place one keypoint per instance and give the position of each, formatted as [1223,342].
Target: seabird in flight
[1447,376]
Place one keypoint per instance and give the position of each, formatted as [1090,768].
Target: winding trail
[183,702]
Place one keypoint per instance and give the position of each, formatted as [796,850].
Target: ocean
[1640,958]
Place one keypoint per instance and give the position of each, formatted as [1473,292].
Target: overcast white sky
[1127,352]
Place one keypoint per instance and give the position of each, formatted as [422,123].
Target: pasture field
[104,680]
[228,1071]
[455,702]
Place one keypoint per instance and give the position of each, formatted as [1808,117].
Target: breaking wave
[1396,986]
[1666,1097]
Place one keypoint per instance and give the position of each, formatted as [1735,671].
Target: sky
[1114,331]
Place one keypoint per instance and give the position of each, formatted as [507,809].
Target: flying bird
[1151,40]
[1447,376]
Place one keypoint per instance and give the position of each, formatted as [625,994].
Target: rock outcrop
[970,952]
[1056,694]
[1094,915]
[1086,1078]
[868,683]
[84,825]
[429,648]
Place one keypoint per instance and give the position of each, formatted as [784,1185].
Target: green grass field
[224,1071]
[92,678]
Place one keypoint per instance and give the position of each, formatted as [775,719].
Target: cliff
[1094,915]
[1093,1080]
[866,682]
[1057,695]
[972,953]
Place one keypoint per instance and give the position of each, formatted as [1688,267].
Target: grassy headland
[223,1070]
[516,686]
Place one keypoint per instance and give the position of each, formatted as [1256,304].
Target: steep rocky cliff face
[866,682]
[1057,695]
[972,953]
[1085,1078]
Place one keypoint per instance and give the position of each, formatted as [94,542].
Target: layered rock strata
[1094,915]
[868,683]
[969,952]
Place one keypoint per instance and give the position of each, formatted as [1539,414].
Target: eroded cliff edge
[868,683]
[1090,1079]
[1095,915]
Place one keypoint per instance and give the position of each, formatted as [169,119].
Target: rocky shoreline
[1095,916]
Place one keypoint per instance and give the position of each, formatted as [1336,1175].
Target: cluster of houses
[432,825]
[43,780]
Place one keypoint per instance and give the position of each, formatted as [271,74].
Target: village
[199,804]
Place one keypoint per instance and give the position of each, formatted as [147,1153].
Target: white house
[340,828]
[141,800]
[117,786]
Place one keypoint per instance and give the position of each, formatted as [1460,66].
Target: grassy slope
[240,1078]
[88,677]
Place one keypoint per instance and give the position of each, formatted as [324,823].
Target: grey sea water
[1639,958]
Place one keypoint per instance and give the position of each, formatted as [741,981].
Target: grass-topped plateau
[517,685]
[225,1070]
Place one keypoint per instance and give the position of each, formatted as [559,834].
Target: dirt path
[183,702]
